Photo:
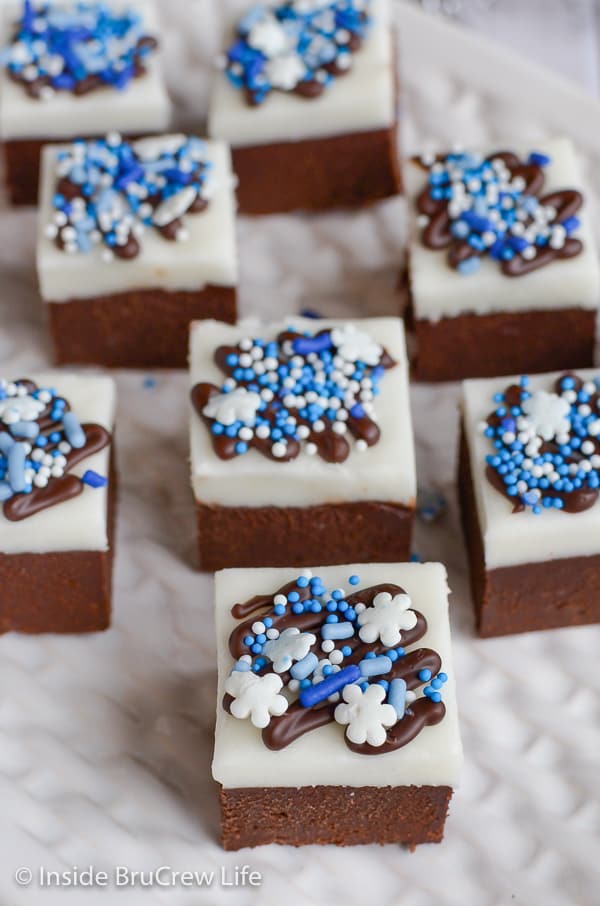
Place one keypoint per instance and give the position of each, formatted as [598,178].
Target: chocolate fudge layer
[533,341]
[147,328]
[336,711]
[530,506]
[312,126]
[302,445]
[57,493]
[342,171]
[247,536]
[337,815]
[110,78]
[503,269]
[127,260]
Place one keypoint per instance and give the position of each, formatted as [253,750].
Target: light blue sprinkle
[73,430]
[29,430]
[397,696]
[337,631]
[305,667]
[16,467]
[375,666]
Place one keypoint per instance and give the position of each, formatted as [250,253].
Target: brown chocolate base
[528,342]
[530,596]
[302,536]
[343,171]
[62,592]
[145,328]
[22,159]
[338,815]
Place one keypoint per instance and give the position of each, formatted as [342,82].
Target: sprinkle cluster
[77,48]
[299,389]
[109,191]
[547,444]
[491,208]
[37,434]
[330,664]
[299,45]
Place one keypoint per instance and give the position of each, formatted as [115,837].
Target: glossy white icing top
[361,101]
[440,291]
[321,757]
[208,255]
[384,472]
[79,524]
[143,106]
[511,538]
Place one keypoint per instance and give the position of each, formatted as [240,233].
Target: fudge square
[57,500]
[301,442]
[503,269]
[529,481]
[336,709]
[136,240]
[75,68]
[307,100]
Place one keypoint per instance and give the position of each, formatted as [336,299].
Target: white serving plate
[105,741]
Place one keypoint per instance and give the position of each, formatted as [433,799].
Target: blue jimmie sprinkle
[73,430]
[94,480]
[321,691]
[337,631]
[397,696]
[302,669]
[375,666]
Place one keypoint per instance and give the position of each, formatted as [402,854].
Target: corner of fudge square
[302,445]
[336,712]
[503,270]
[57,503]
[529,483]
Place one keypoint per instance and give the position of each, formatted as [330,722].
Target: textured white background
[105,741]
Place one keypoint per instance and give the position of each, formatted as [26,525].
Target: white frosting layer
[79,524]
[440,291]
[385,471]
[321,757]
[143,106]
[359,101]
[514,538]
[208,255]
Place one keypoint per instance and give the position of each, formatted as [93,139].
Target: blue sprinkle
[321,691]
[375,666]
[301,669]
[73,431]
[397,696]
[337,631]
[94,480]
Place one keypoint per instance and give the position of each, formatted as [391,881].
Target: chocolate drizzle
[437,232]
[298,719]
[322,433]
[62,487]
